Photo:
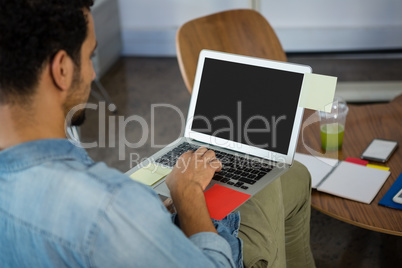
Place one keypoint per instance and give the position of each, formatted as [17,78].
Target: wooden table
[363,123]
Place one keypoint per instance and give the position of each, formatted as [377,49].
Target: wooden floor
[135,84]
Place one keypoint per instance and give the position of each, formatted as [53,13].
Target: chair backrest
[243,31]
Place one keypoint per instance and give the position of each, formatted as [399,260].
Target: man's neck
[18,125]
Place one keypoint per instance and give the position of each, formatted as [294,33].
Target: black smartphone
[379,150]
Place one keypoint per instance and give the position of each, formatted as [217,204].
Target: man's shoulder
[94,187]
[64,200]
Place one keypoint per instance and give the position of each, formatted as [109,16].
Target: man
[60,209]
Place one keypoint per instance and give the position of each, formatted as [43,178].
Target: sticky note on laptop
[317,92]
[150,174]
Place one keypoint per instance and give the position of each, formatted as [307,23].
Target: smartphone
[379,150]
[398,197]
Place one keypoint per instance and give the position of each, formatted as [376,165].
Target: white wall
[308,25]
[149,26]
[107,29]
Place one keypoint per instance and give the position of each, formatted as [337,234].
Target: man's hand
[193,168]
[187,181]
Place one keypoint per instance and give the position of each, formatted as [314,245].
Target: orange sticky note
[222,200]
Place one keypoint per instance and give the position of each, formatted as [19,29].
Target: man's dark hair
[31,33]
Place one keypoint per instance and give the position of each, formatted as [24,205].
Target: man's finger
[184,159]
[200,151]
[209,155]
[186,154]
[216,164]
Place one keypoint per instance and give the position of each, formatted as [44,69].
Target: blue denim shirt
[60,209]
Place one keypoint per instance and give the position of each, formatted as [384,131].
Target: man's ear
[62,69]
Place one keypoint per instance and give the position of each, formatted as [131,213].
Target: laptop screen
[247,104]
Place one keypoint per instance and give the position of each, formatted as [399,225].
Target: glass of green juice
[332,125]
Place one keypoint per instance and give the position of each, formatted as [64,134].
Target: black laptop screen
[247,104]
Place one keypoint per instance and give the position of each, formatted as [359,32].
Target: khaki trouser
[275,223]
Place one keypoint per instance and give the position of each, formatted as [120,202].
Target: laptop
[246,110]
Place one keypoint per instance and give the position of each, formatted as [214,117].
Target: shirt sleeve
[135,230]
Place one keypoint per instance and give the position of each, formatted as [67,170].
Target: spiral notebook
[344,179]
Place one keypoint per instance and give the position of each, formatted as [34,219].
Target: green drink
[332,136]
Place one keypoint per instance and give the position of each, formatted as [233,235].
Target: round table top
[363,124]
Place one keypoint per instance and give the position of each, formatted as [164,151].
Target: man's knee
[298,177]
[296,188]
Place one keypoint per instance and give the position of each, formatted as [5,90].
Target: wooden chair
[243,31]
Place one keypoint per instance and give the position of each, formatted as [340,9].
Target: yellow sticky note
[150,174]
[318,92]
[379,167]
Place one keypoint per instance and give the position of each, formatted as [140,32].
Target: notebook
[352,178]
[247,110]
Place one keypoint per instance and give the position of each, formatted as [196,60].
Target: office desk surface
[364,123]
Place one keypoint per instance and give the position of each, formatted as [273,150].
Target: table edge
[368,227]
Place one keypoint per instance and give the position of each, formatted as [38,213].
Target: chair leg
[255,4]
[73,134]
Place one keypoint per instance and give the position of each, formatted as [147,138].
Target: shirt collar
[36,152]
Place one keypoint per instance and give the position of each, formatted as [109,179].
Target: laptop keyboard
[238,171]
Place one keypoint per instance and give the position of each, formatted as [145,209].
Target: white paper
[355,182]
[318,167]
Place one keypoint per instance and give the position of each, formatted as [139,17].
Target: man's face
[83,76]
